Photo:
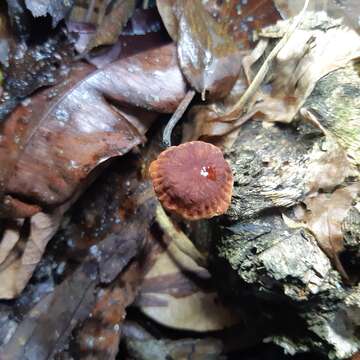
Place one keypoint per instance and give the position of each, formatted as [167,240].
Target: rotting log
[283,277]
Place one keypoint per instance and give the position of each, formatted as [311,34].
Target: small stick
[177,116]
[309,116]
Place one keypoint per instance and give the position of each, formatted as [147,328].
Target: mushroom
[193,180]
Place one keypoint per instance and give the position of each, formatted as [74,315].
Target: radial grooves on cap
[215,204]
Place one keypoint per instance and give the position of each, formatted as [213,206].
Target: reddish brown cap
[193,180]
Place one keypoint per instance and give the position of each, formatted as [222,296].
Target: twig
[260,76]
[308,115]
[177,116]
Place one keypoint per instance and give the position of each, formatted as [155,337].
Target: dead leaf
[180,240]
[51,145]
[210,37]
[328,166]
[126,45]
[100,334]
[306,57]
[112,23]
[10,237]
[324,218]
[143,31]
[132,329]
[56,55]
[346,9]
[53,318]
[19,257]
[119,200]
[18,209]
[176,292]
[91,34]
[109,228]
[47,327]
[319,46]
[204,119]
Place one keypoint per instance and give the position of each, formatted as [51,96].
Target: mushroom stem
[179,112]
[179,238]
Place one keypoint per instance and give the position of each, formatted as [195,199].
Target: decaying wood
[265,237]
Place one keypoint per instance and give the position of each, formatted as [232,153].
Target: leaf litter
[308,55]
[72,119]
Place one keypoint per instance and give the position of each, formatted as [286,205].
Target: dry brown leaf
[112,23]
[181,241]
[328,167]
[311,52]
[171,296]
[52,318]
[211,36]
[324,218]
[319,46]
[96,28]
[49,147]
[19,257]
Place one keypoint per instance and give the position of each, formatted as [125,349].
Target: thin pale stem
[177,116]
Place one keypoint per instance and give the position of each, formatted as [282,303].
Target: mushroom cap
[193,180]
